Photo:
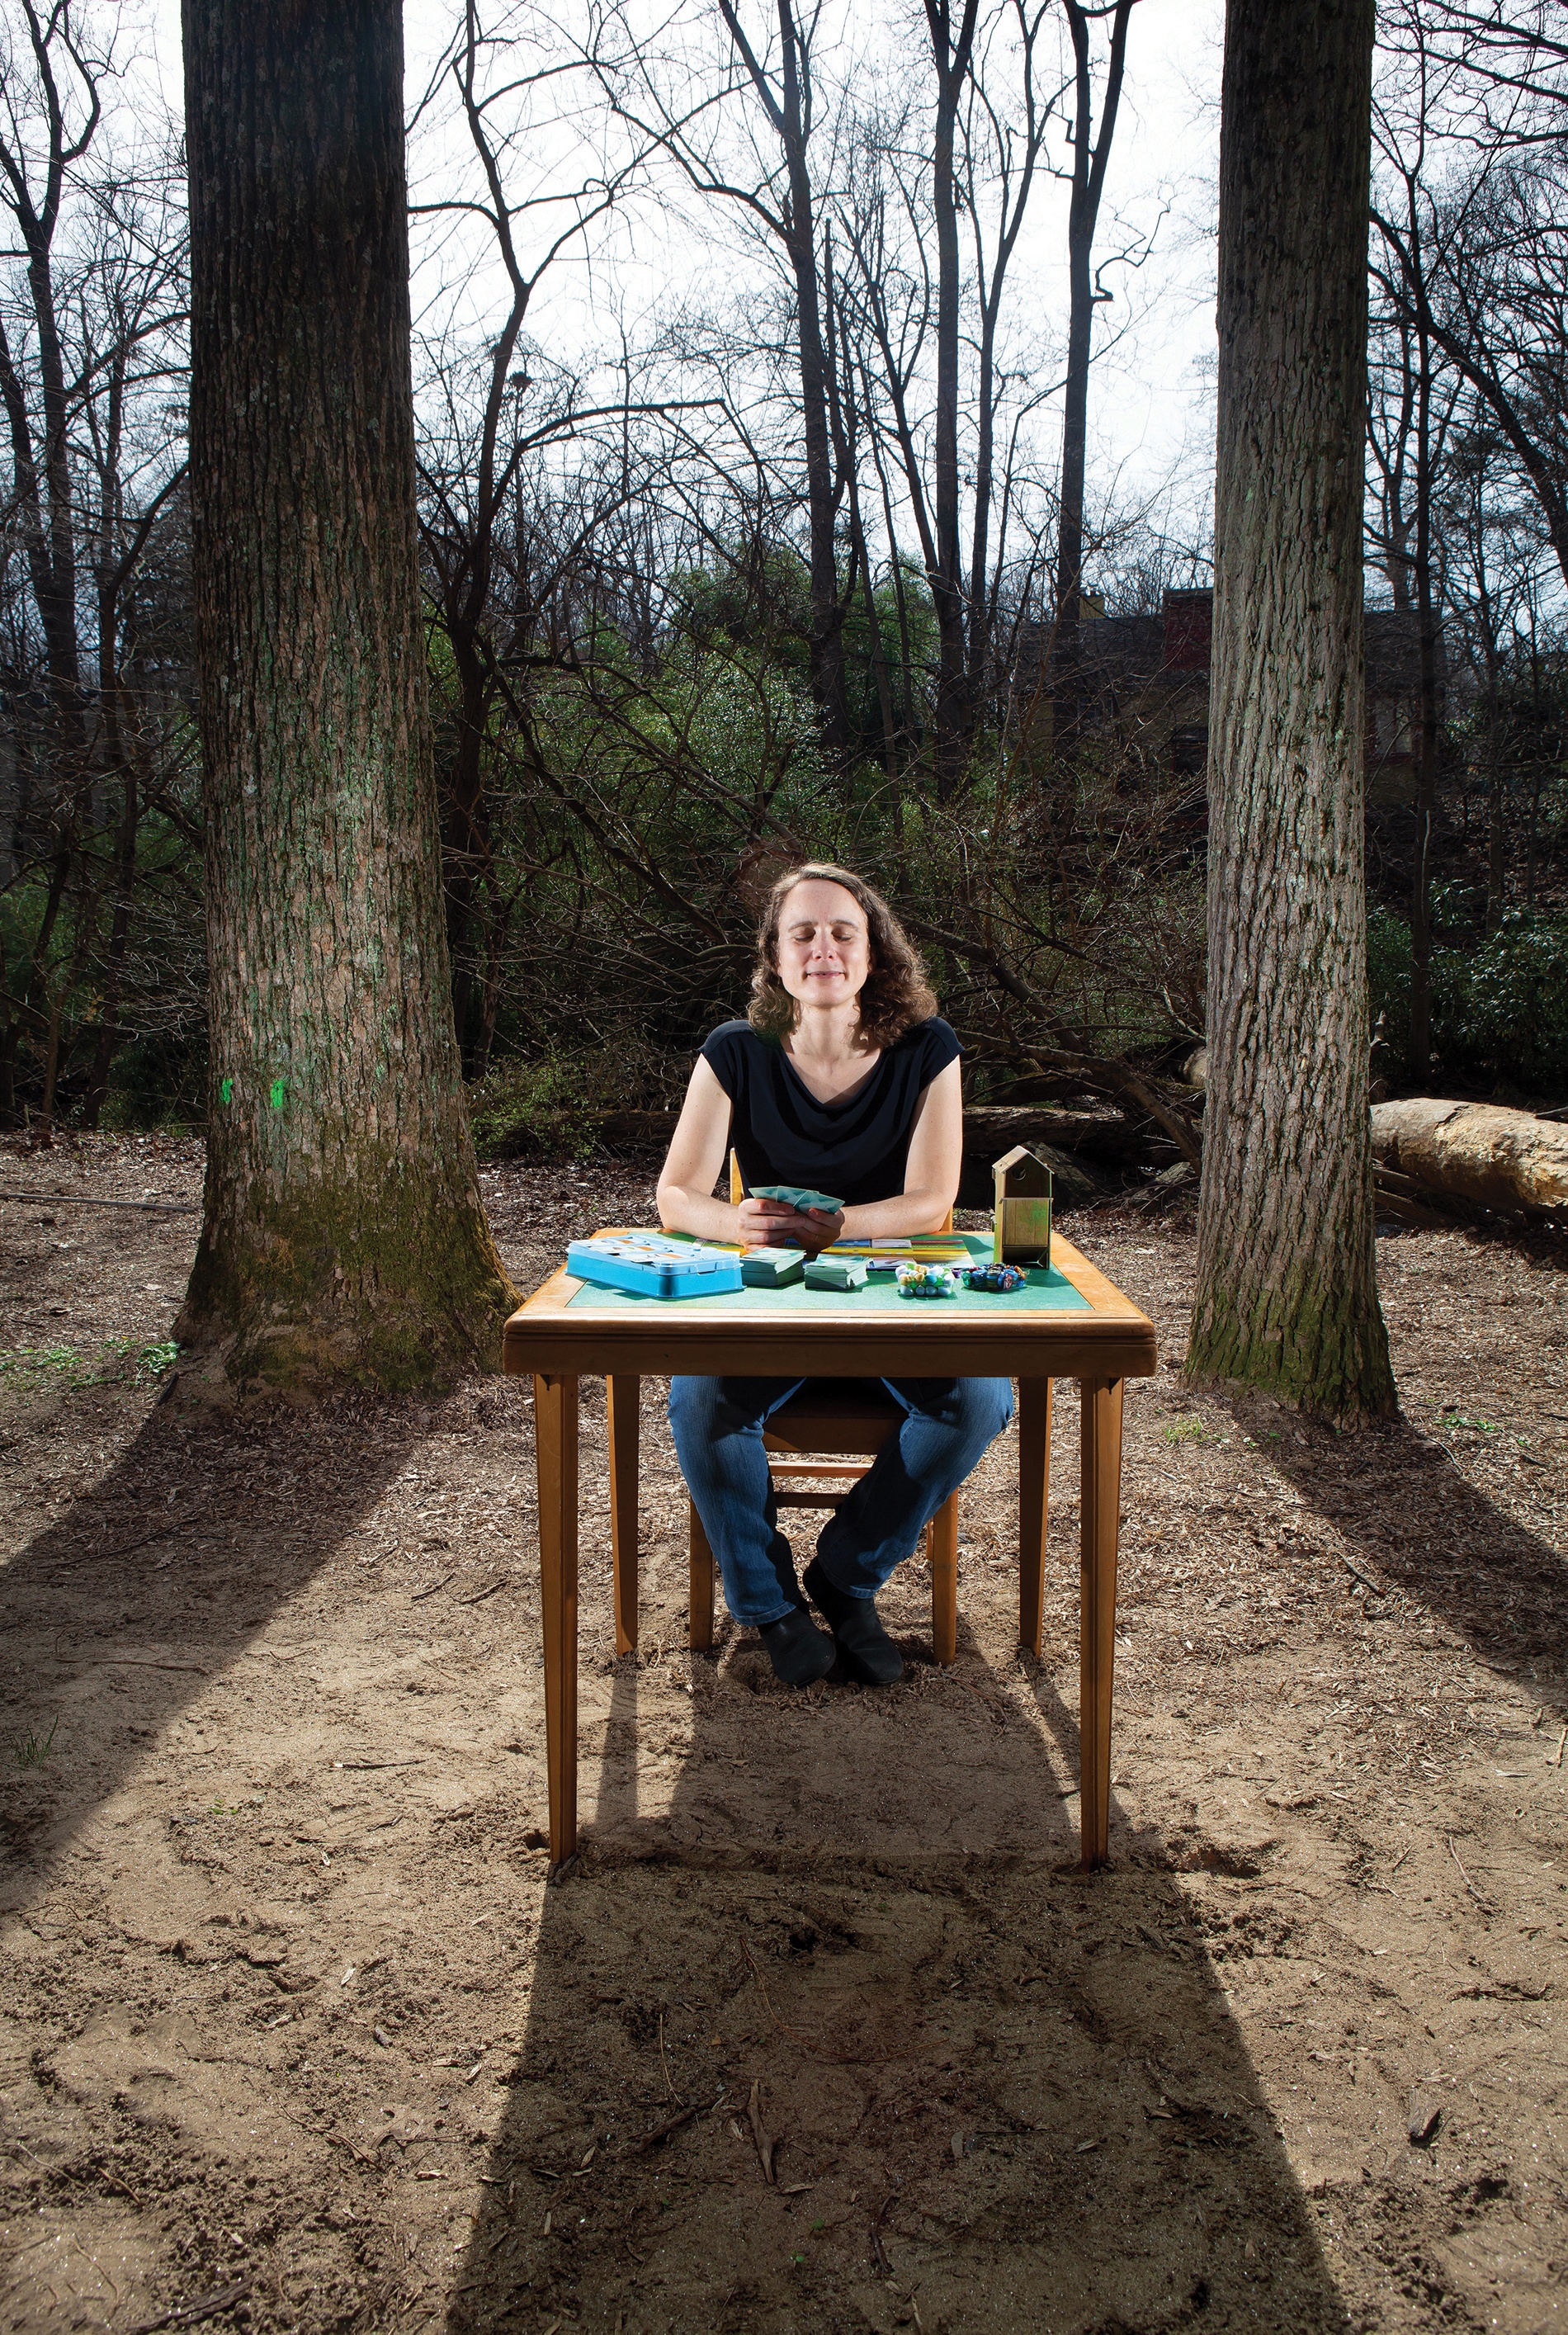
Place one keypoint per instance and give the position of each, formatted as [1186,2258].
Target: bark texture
[344,1236]
[1287,1293]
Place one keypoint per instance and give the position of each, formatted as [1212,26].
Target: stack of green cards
[772,1268]
[834,1273]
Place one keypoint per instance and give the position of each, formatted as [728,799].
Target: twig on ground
[659,2132]
[419,1594]
[480,1597]
[82,1200]
[187,2314]
[1556,1758]
[126,1662]
[765,2144]
[1469,1885]
[879,2251]
[144,1540]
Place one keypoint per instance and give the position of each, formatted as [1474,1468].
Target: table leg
[944,1531]
[700,1632]
[1033,1491]
[556,1442]
[1101,1505]
[625,1398]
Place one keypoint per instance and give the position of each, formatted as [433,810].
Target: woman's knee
[973,1409]
[701,1410]
[984,1407]
[692,1405]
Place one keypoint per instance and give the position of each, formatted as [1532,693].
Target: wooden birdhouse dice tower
[1020,1226]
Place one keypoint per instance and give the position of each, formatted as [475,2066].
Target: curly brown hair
[897,994]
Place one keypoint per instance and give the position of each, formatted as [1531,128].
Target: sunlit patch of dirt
[827,2031]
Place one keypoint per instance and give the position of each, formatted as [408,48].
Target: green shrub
[1499,1009]
[159,1081]
[552,1107]
[531,1109]
[1389,991]
[1510,1008]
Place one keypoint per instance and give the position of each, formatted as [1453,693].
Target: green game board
[1046,1292]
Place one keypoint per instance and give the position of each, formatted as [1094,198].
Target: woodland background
[822,566]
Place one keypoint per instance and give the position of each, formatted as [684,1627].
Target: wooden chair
[834,1417]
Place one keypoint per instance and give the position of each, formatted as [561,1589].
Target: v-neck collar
[838,1102]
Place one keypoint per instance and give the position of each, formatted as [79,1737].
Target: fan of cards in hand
[797,1195]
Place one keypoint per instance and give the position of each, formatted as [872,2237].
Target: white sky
[1150,416]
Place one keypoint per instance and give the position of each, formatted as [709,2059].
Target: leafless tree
[92,360]
[1091,150]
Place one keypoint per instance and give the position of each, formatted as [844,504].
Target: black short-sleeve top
[856,1149]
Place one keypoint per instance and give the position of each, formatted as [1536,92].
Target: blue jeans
[716,1425]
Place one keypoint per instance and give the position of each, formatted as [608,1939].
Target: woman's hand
[774,1223]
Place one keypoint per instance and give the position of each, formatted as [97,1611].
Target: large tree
[1287,1291]
[343,1235]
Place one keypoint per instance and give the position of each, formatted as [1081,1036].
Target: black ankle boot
[797,1648]
[868,1652]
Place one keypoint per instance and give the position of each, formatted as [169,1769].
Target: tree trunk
[822,494]
[343,1235]
[1496,813]
[1419,1052]
[1287,1293]
[1090,159]
[950,52]
[465,842]
[789,112]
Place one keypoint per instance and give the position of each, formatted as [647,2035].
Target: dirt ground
[293,2034]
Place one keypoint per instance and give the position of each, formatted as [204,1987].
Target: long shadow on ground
[120,1615]
[828,2031]
[1422,1527]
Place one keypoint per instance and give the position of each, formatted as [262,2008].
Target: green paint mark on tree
[279,1088]
[226,1091]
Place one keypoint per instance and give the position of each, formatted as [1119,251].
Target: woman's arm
[696,1156]
[931,1172]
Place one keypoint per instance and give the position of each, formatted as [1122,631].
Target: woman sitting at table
[842,1079]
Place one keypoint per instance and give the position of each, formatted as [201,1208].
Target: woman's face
[824,946]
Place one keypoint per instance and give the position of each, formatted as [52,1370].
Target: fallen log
[1476,1152]
[1106,1139]
[1072,1186]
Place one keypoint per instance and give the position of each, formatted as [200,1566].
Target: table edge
[546,1331]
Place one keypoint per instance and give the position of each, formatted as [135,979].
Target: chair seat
[853,1415]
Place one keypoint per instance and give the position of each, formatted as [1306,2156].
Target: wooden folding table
[1072,1324]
